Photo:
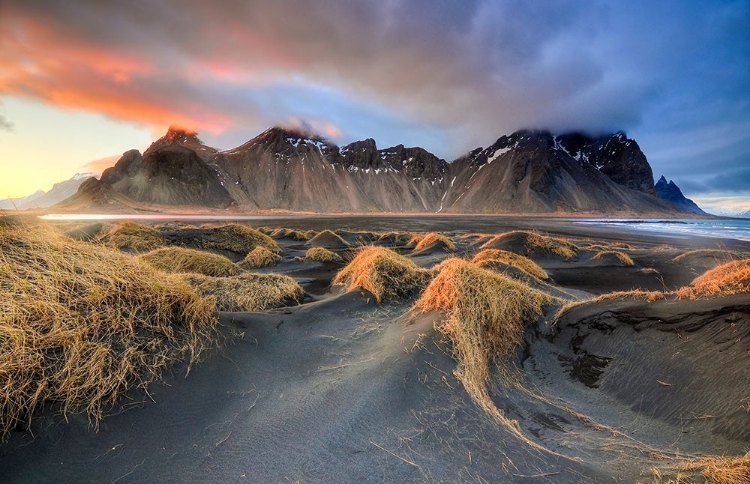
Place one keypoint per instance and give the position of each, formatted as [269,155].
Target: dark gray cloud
[675,75]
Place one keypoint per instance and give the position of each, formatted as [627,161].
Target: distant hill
[671,193]
[41,199]
[525,172]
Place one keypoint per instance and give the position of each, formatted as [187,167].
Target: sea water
[738,229]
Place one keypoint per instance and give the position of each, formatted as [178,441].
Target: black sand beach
[343,389]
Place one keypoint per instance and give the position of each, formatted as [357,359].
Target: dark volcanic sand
[344,390]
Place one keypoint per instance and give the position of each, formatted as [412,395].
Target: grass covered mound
[321,254]
[489,256]
[259,257]
[613,257]
[486,316]
[231,239]
[434,238]
[180,259]
[132,237]
[708,258]
[383,272]
[530,244]
[82,324]
[293,233]
[724,280]
[248,291]
[328,239]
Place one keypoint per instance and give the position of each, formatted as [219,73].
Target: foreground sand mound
[708,258]
[532,245]
[433,241]
[612,258]
[321,254]
[394,238]
[489,257]
[182,260]
[132,237]
[486,317]
[383,272]
[86,233]
[683,361]
[329,240]
[81,324]
[233,239]
[248,291]
[259,257]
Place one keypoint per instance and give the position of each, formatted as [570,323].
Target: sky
[82,81]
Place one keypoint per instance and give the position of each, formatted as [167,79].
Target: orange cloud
[37,61]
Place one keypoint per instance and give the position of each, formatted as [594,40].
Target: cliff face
[527,171]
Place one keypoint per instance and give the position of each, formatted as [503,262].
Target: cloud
[5,125]
[445,74]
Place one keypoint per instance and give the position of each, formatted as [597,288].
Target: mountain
[527,171]
[671,193]
[41,199]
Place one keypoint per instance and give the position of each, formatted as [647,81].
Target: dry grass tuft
[414,240]
[488,256]
[321,254]
[714,470]
[180,259]
[134,237]
[383,272]
[529,243]
[259,257]
[248,291]
[634,294]
[395,238]
[612,254]
[486,315]
[435,238]
[721,470]
[81,324]
[724,280]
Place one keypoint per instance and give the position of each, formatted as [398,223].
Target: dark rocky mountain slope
[671,193]
[525,172]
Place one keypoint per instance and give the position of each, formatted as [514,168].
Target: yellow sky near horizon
[47,145]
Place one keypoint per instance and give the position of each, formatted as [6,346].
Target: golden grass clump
[180,259]
[238,239]
[433,238]
[528,243]
[614,254]
[259,257]
[488,256]
[82,324]
[248,291]
[321,254]
[724,280]
[383,272]
[486,315]
[135,237]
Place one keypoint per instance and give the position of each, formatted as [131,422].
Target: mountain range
[525,172]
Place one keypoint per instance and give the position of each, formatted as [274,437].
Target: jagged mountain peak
[670,192]
[177,136]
